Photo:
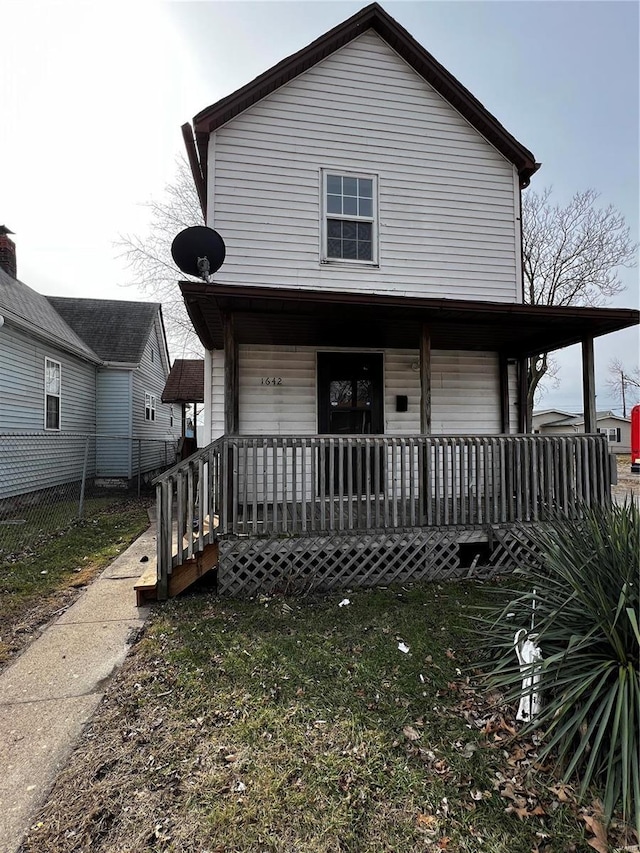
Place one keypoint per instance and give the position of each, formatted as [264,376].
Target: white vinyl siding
[465,392]
[447,201]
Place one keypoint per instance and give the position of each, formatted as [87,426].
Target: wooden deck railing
[306,485]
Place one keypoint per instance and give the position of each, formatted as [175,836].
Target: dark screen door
[350,402]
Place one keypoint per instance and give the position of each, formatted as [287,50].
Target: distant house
[130,341]
[185,388]
[79,376]
[556,422]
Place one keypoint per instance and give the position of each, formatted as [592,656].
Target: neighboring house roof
[185,383]
[118,330]
[576,418]
[541,412]
[371,17]
[34,313]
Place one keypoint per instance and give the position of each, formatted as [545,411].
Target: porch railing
[295,485]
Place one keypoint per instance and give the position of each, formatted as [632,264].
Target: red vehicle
[635,439]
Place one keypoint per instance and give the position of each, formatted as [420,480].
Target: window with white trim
[52,393]
[149,407]
[349,226]
[612,433]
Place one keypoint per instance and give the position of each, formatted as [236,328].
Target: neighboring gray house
[129,339]
[78,368]
[557,422]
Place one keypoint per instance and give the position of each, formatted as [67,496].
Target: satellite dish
[198,251]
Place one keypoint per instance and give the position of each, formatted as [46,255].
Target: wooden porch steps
[181,577]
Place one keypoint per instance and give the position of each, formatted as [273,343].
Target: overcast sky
[93,95]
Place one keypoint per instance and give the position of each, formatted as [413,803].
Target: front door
[350,402]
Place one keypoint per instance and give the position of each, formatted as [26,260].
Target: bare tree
[624,385]
[149,257]
[571,256]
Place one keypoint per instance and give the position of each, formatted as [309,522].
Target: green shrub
[586,618]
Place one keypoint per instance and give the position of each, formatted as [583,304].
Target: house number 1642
[271,380]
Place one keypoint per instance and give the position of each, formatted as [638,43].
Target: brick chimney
[7,252]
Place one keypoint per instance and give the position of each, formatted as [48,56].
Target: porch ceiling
[269,315]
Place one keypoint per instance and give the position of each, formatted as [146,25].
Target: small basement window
[52,393]
[349,221]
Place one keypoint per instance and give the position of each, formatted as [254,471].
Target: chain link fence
[49,480]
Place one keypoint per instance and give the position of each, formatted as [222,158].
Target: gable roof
[34,313]
[577,418]
[118,331]
[371,17]
[185,383]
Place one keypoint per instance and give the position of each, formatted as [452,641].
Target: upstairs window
[52,393]
[349,218]
[149,407]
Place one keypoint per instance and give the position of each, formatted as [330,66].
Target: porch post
[231,376]
[523,383]
[503,367]
[425,381]
[588,385]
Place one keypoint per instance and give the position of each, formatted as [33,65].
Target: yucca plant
[583,599]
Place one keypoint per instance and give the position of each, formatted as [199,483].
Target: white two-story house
[366,339]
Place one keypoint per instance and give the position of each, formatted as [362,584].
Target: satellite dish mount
[198,251]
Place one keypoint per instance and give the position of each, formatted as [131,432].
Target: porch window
[149,407]
[52,393]
[349,218]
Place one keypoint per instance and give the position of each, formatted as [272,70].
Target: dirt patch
[628,484]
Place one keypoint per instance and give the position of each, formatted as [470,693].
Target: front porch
[321,511]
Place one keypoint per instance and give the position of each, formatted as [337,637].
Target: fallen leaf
[594,825]
[410,733]
[427,822]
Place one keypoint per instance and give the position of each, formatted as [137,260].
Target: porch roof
[276,315]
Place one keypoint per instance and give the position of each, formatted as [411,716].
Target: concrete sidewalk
[50,692]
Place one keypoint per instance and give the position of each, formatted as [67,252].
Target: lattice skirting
[344,561]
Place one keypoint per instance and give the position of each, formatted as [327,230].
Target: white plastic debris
[529,654]
[344,603]
[403,647]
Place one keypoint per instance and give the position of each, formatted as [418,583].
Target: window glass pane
[334,184]
[349,250]
[334,248]
[334,228]
[341,393]
[334,204]
[350,206]
[350,186]
[365,207]
[349,230]
[365,187]
[364,251]
[364,230]
[53,412]
[52,378]
[364,392]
